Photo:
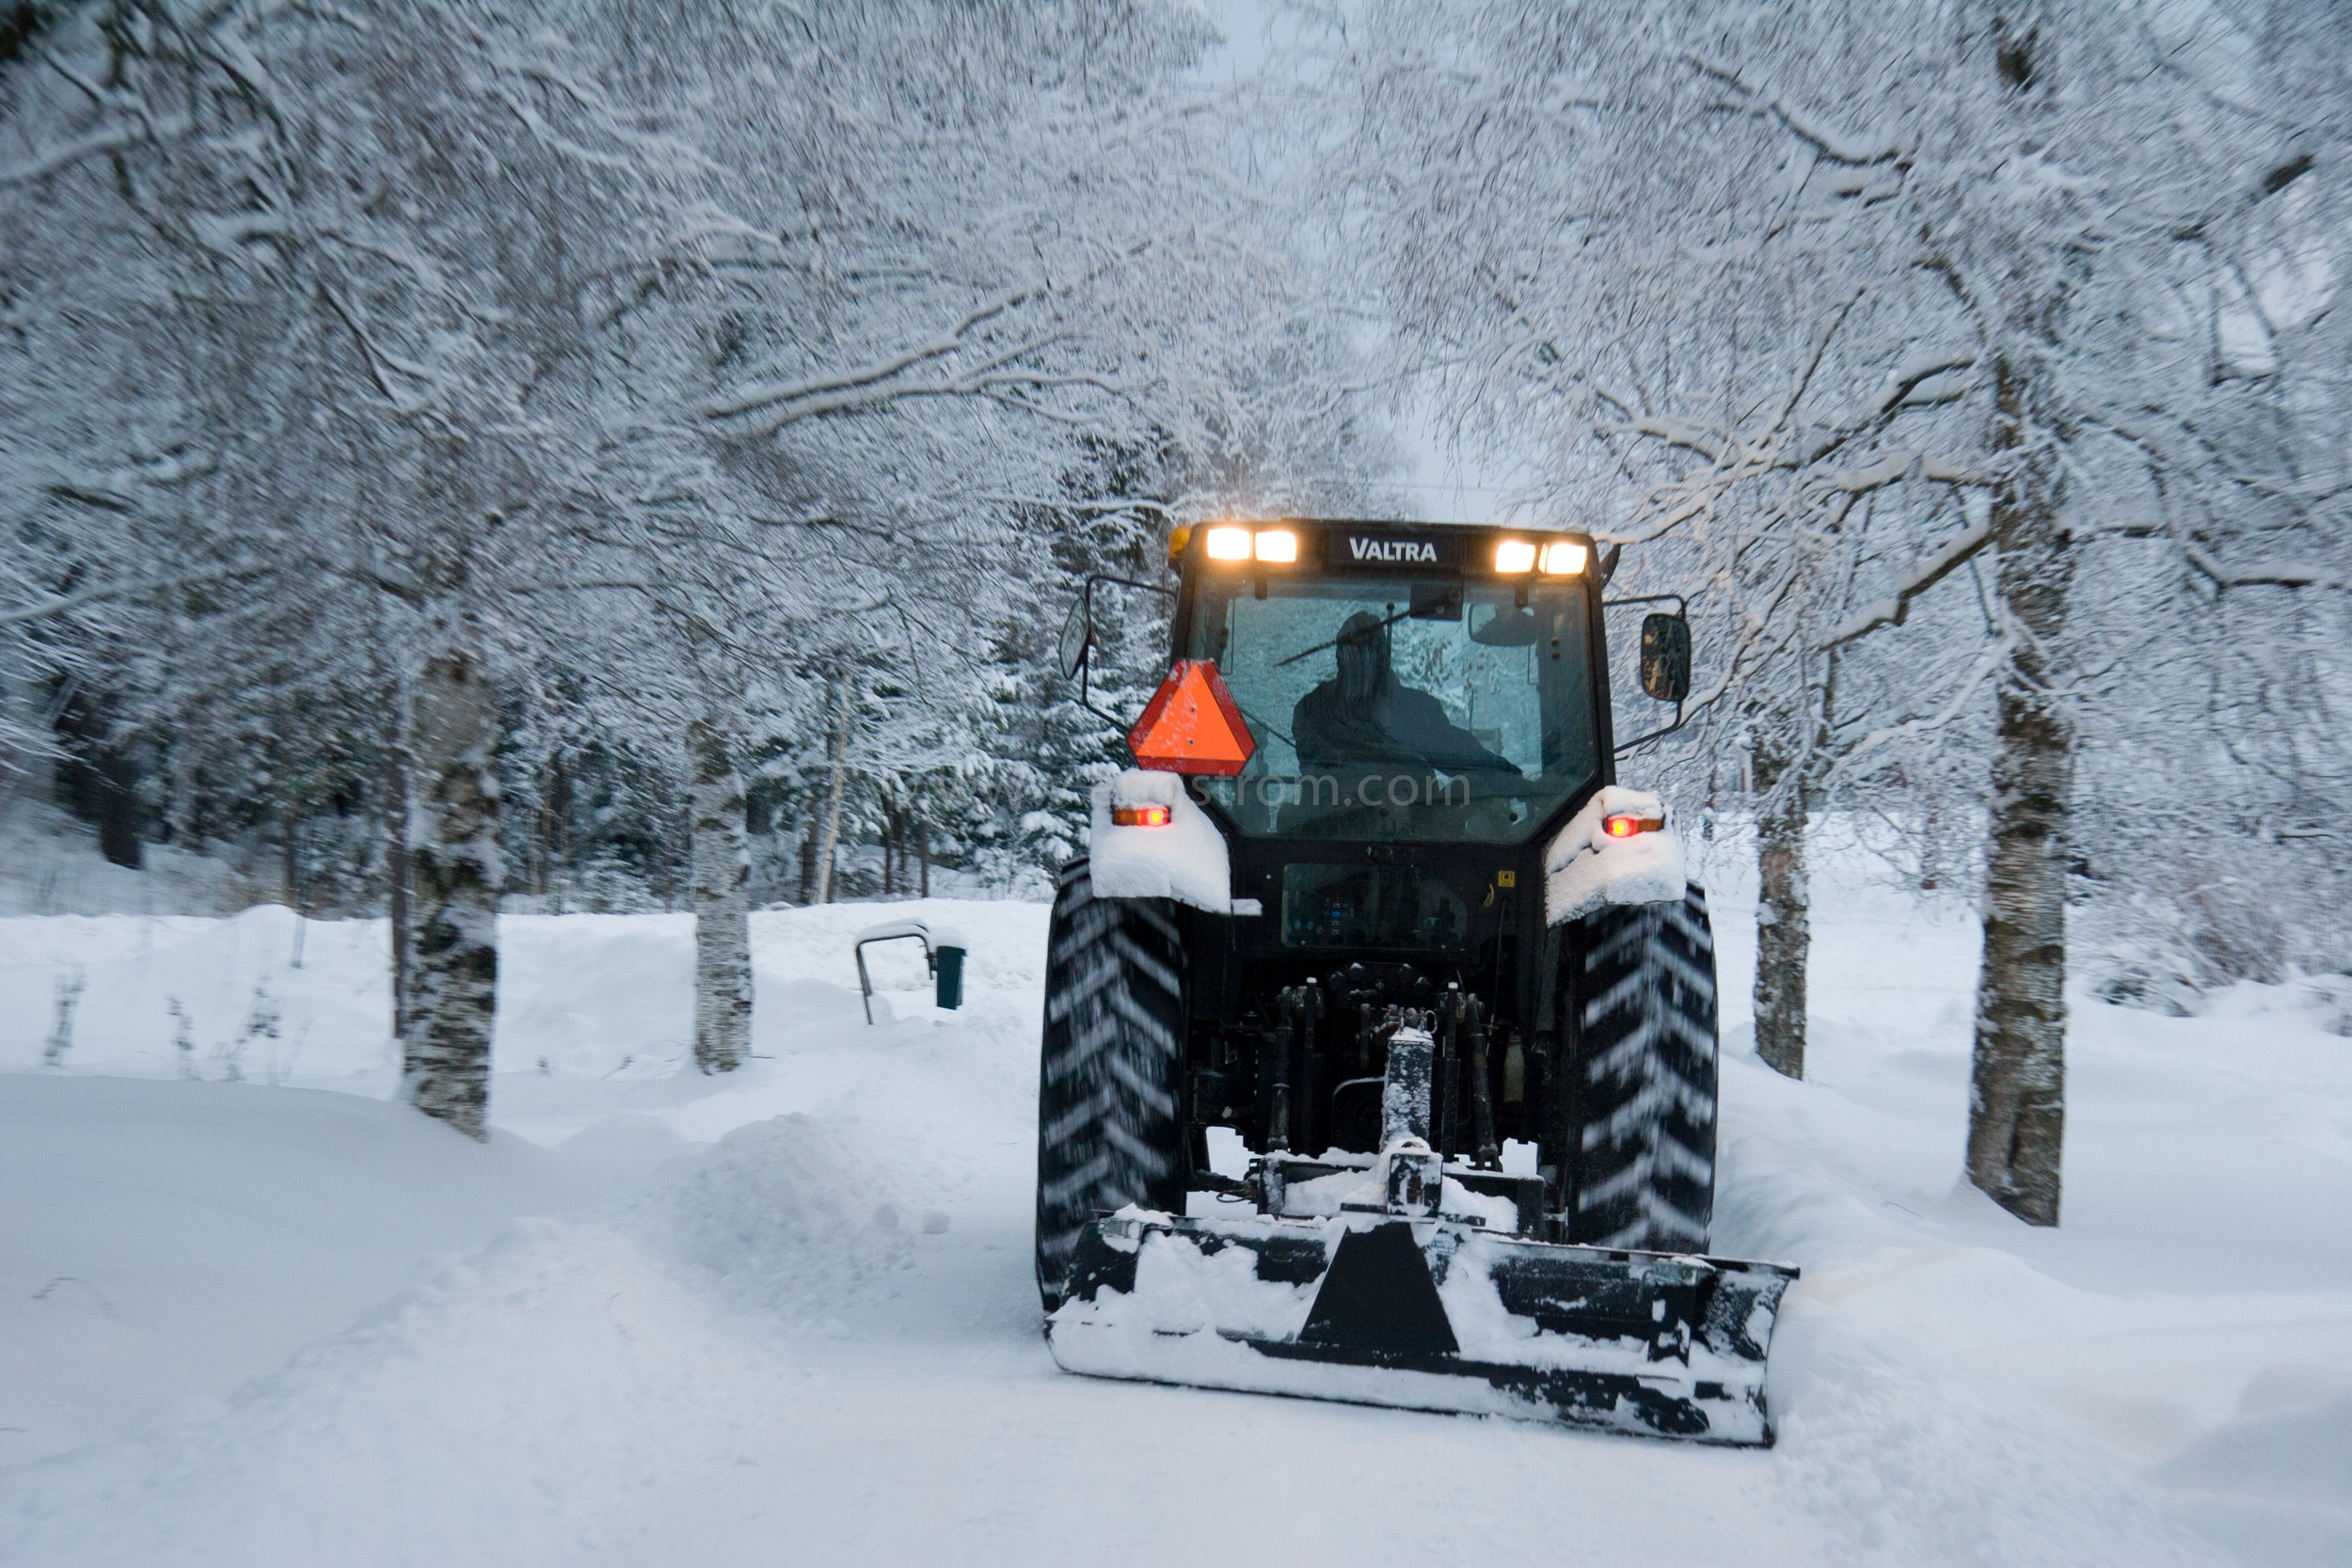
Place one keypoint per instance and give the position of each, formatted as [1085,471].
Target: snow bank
[509,1408]
[589,995]
[597,994]
[2278,1485]
[227,988]
[171,1239]
[523,1404]
[53,867]
[788,1216]
[1939,1354]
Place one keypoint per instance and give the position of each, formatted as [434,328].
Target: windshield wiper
[1258,725]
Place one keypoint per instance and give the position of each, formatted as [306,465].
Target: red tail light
[1626,827]
[1139,816]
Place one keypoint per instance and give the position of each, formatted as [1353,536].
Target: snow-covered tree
[519,391]
[1819,308]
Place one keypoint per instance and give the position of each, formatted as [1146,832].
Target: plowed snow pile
[787,1317]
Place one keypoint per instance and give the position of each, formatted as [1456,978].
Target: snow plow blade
[1426,1314]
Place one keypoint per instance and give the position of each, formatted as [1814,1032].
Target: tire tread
[1640,986]
[1110,1067]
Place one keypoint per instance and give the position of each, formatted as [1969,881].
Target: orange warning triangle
[1193,725]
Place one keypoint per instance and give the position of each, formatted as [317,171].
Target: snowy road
[814,1340]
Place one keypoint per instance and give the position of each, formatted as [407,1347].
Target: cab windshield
[1385,707]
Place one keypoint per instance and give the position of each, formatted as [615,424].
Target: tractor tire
[1109,1125]
[1640,1009]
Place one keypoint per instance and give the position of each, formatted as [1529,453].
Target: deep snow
[787,1316]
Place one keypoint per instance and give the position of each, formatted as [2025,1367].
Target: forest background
[457,454]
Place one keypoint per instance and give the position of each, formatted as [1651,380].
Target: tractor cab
[1400,687]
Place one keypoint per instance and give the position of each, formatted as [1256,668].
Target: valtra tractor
[1372,900]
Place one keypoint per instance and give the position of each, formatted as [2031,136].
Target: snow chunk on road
[786,1216]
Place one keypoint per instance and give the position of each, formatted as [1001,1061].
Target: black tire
[1641,1010]
[1109,1131]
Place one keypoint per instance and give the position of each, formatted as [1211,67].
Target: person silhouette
[1365,716]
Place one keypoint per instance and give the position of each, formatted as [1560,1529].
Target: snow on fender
[1184,859]
[1585,868]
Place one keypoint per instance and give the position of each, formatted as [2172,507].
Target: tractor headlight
[1229,543]
[1139,816]
[1564,558]
[1277,545]
[1626,827]
[1514,555]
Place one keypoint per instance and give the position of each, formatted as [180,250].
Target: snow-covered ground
[787,1317]
[51,865]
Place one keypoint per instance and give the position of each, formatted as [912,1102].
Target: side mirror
[1666,656]
[1077,636]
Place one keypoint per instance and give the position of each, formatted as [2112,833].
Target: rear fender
[1184,859]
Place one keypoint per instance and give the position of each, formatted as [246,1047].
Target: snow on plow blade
[1426,1314]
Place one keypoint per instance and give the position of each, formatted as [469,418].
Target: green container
[949,961]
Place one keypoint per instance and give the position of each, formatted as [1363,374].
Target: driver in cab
[1365,717]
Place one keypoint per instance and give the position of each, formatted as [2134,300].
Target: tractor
[1371,924]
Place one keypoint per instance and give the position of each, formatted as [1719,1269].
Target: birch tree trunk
[1784,930]
[2017,1090]
[291,844]
[723,932]
[830,836]
[396,763]
[455,872]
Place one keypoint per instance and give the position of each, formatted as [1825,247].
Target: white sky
[1434,485]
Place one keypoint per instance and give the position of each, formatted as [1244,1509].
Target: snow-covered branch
[113,138]
[1829,142]
[1966,693]
[1897,466]
[1896,607]
[997,385]
[2268,575]
[1907,378]
[832,387]
[66,604]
